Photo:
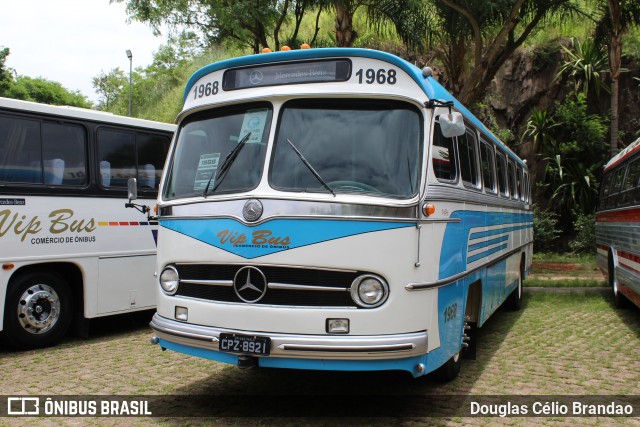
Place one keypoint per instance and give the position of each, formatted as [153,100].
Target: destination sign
[288,73]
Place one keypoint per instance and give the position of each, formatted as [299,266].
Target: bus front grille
[285,286]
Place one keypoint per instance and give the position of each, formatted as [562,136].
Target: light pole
[130,56]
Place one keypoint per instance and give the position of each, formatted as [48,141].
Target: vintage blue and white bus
[618,225]
[335,209]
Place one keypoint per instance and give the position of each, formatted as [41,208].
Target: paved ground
[559,344]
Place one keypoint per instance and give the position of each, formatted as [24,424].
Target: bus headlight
[369,291]
[169,280]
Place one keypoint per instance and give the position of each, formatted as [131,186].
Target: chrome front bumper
[336,347]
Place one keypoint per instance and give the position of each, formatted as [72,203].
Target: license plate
[245,344]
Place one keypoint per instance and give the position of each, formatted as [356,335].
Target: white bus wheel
[38,310]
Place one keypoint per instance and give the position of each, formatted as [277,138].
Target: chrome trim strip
[336,347]
[242,264]
[282,208]
[455,277]
[306,288]
[227,283]
[391,347]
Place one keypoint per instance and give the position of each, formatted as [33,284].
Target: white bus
[68,248]
[618,225]
[335,209]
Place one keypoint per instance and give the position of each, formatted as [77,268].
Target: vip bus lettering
[259,237]
[19,226]
[61,221]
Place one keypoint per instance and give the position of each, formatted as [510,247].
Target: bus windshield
[205,142]
[355,146]
[340,146]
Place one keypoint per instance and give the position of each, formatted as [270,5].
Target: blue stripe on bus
[486,253]
[454,252]
[488,243]
[488,233]
[272,236]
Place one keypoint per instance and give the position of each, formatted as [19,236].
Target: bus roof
[83,113]
[430,86]
[633,148]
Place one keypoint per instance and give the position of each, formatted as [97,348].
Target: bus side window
[20,150]
[513,189]
[488,174]
[442,156]
[604,191]
[520,182]
[501,166]
[152,151]
[468,162]
[117,148]
[527,187]
[616,185]
[630,186]
[64,154]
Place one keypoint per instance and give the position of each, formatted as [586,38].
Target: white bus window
[152,151]
[20,152]
[362,146]
[442,157]
[501,168]
[468,162]
[488,174]
[64,154]
[118,149]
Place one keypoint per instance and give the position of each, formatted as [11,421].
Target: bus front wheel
[38,310]
[450,370]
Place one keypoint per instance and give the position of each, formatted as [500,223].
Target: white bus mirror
[452,124]
[132,189]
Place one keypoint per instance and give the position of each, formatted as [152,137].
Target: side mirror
[452,124]
[132,188]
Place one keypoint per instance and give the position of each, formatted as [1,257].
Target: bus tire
[450,370]
[619,300]
[514,300]
[38,310]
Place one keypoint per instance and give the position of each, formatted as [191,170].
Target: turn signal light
[266,50]
[285,47]
[428,209]
[305,46]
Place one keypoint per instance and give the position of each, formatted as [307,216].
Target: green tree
[616,18]
[109,87]
[46,92]
[249,23]
[5,75]
[586,65]
[485,34]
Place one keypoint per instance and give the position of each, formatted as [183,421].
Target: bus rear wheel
[38,310]
[619,300]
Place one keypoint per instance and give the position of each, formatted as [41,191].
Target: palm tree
[616,18]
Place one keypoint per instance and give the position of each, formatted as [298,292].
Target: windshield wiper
[226,164]
[313,171]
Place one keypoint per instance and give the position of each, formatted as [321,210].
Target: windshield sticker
[254,122]
[206,168]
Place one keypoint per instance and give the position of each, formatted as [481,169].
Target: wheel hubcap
[38,309]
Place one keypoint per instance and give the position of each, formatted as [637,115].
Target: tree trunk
[615,60]
[345,35]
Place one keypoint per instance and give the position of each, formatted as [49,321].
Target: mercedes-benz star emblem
[252,210]
[250,284]
[255,77]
